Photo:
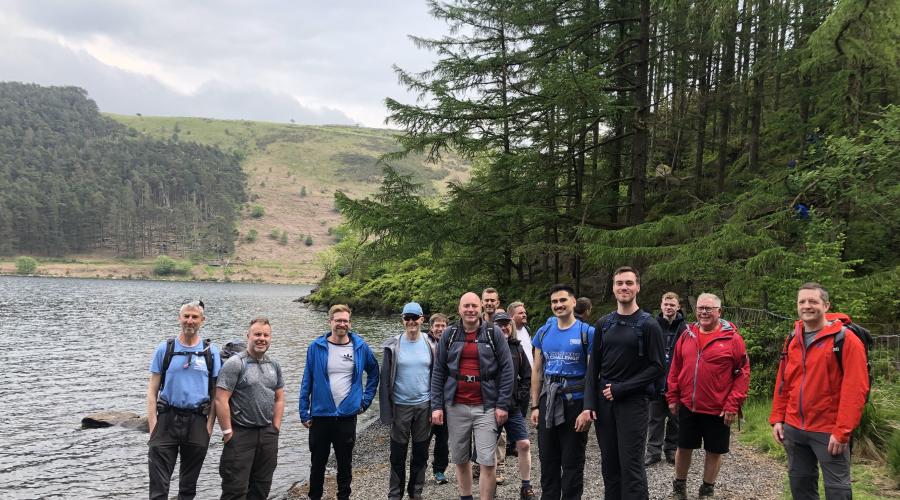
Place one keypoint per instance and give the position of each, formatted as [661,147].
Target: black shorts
[711,429]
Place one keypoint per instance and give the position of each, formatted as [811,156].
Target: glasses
[341,321]
[706,309]
[411,317]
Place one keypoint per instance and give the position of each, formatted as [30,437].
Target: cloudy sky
[314,61]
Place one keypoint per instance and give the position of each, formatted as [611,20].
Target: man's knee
[523,446]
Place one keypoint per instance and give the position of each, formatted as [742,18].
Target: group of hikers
[654,388]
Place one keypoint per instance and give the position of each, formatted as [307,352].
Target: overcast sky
[314,61]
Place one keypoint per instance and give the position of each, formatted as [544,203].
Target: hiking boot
[670,457]
[652,459]
[707,490]
[440,478]
[679,490]
[526,493]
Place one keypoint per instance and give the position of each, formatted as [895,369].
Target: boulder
[126,419]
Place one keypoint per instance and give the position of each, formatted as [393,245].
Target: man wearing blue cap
[404,399]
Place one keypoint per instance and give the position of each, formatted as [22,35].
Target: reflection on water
[71,347]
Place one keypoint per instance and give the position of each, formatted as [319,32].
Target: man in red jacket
[707,384]
[819,399]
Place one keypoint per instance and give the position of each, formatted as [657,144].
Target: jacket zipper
[802,382]
[697,367]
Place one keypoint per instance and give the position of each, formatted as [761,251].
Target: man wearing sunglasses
[179,404]
[405,403]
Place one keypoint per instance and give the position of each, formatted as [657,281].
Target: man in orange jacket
[706,386]
[819,401]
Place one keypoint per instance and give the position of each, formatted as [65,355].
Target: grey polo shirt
[253,396]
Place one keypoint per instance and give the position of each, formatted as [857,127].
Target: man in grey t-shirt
[249,405]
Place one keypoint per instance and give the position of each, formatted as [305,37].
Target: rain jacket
[315,390]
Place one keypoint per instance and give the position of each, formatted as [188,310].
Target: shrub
[167,266]
[252,236]
[257,211]
[309,241]
[274,234]
[303,191]
[284,238]
[26,265]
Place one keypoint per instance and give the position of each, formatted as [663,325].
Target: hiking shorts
[465,422]
[696,427]
[515,427]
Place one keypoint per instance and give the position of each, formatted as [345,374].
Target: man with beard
[404,401]
[490,300]
[707,384]
[626,360]
[561,350]
[179,404]
[663,424]
[472,381]
[249,405]
[332,395]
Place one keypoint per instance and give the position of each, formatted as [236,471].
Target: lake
[77,346]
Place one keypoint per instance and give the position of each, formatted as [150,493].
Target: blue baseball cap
[413,308]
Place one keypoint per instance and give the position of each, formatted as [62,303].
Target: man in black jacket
[662,433]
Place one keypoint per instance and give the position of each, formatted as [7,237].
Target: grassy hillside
[292,173]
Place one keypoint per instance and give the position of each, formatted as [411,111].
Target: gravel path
[745,474]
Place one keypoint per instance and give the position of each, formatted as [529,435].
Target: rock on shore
[110,418]
[745,474]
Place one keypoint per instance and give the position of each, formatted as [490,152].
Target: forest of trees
[72,180]
[738,147]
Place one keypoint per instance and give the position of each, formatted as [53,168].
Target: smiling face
[562,303]
[340,325]
[626,287]
[708,313]
[259,338]
[470,310]
[190,319]
[437,328]
[412,323]
[811,308]
[490,301]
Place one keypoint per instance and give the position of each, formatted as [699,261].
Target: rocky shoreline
[745,474]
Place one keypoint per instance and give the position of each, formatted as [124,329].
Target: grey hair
[194,304]
[714,297]
[513,306]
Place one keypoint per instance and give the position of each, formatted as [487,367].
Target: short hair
[261,320]
[671,296]
[583,305]
[562,287]
[338,308]
[812,285]
[513,306]
[194,304]
[712,296]
[490,290]
[439,317]
[627,269]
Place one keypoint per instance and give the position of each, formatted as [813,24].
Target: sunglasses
[411,317]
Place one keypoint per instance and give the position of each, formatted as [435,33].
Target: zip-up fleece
[496,372]
[389,375]
[811,392]
[713,379]
[315,388]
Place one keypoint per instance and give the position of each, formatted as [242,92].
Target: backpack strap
[167,358]
[490,336]
[784,355]
[207,354]
[839,347]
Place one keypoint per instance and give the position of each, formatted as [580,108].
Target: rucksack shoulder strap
[167,359]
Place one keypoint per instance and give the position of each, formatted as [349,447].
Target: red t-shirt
[469,393]
[706,337]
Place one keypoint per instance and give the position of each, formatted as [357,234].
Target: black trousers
[441,448]
[562,454]
[324,434]
[662,432]
[248,462]
[621,427]
[177,433]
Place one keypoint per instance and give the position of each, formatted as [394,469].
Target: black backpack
[206,353]
[638,328]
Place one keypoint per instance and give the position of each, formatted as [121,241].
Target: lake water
[72,347]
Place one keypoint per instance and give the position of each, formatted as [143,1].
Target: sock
[680,481]
[711,485]
[526,483]
[467,497]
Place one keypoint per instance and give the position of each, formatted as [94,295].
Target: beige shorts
[464,422]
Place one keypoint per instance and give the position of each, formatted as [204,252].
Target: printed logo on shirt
[575,341]
[564,356]
[347,357]
[199,363]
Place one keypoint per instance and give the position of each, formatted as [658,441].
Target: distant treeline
[72,180]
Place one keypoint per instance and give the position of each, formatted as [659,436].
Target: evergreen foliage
[72,180]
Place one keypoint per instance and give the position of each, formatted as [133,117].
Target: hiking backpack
[638,328]
[585,341]
[206,352]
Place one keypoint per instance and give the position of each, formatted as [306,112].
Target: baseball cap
[413,308]
[501,316]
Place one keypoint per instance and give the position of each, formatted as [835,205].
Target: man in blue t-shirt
[561,349]
[179,400]
[405,401]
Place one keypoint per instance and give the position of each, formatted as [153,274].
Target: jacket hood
[725,327]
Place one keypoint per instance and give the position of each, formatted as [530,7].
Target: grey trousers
[805,451]
[410,423]
[662,432]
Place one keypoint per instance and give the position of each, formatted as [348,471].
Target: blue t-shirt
[187,378]
[413,381]
[562,351]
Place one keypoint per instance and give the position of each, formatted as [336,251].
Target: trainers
[707,490]
[440,478]
[526,493]
[679,490]
[652,459]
